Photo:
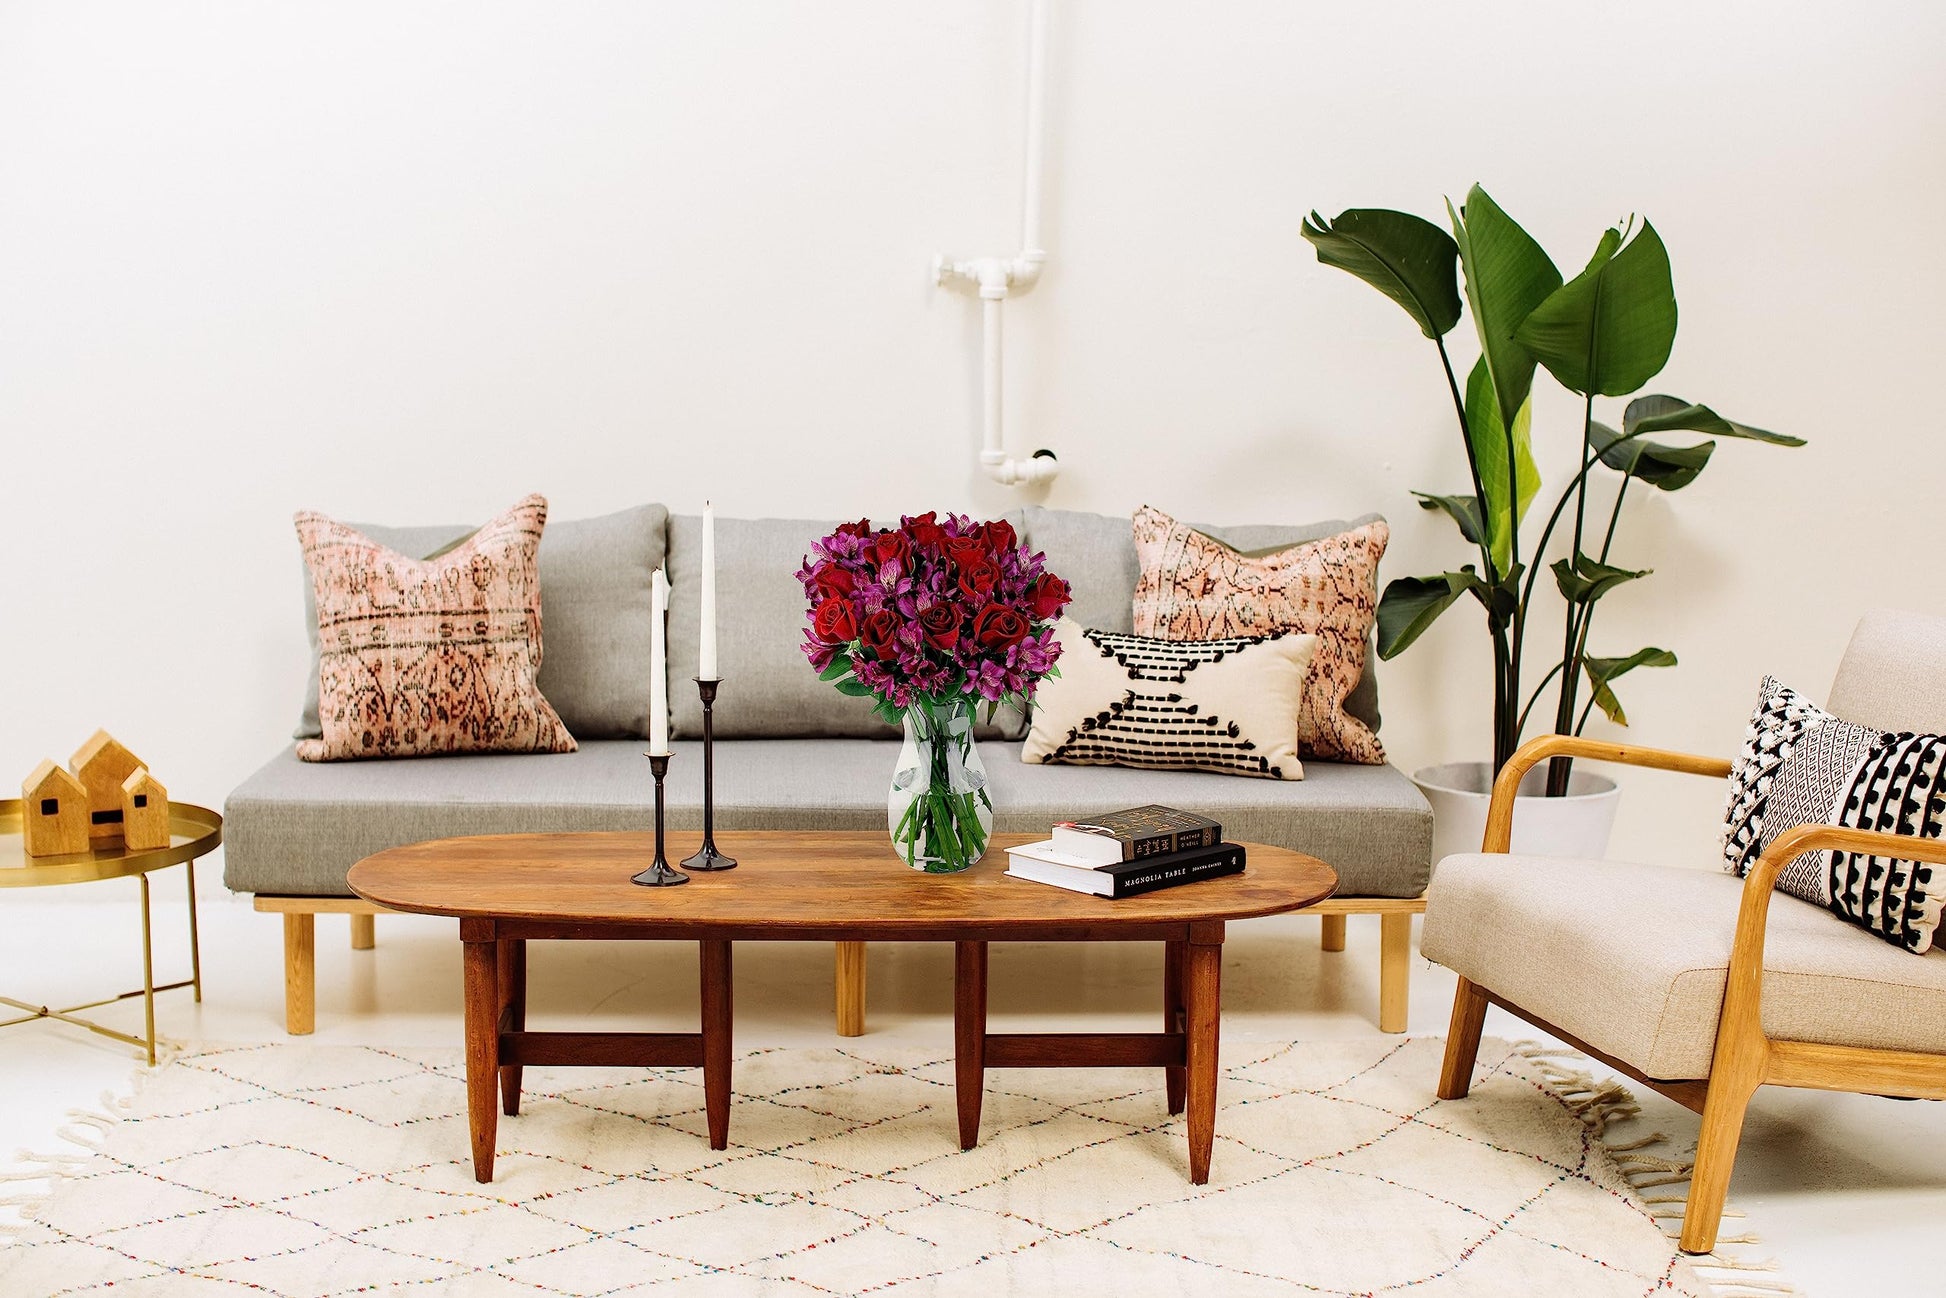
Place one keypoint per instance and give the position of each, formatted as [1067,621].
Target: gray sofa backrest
[595,576]
[1893,674]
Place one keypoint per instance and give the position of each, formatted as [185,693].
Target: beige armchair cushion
[1632,959]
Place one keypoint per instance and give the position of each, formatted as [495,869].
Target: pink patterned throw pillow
[440,655]
[1194,587]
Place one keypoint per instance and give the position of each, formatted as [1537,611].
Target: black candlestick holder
[659,874]
[709,858]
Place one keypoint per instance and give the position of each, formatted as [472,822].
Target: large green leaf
[1665,414]
[1608,330]
[1602,671]
[1588,580]
[1669,468]
[1407,258]
[1507,276]
[1489,438]
[1411,604]
[1464,510]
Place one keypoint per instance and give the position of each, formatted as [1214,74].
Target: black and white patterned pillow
[1228,706]
[1801,765]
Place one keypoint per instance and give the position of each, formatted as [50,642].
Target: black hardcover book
[1135,877]
[1136,833]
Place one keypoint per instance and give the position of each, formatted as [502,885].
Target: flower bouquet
[930,619]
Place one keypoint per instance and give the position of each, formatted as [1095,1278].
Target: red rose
[828,579]
[977,579]
[880,632]
[834,622]
[861,529]
[998,534]
[997,627]
[963,550]
[1047,596]
[941,625]
[890,546]
[925,531]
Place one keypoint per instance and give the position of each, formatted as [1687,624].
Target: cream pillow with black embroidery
[1228,706]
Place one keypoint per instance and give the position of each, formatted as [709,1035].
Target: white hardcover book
[1041,863]
[1062,876]
[1048,852]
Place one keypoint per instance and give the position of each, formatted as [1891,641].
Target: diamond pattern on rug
[304,1171]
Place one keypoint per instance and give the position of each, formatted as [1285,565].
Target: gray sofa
[791,751]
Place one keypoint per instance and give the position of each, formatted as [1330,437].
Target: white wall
[411,260]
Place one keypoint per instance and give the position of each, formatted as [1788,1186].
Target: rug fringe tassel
[86,1128]
[1601,1103]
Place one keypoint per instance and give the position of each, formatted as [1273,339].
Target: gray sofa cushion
[594,616]
[769,690]
[296,828]
[1096,553]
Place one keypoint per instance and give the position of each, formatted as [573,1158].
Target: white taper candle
[658,666]
[706,652]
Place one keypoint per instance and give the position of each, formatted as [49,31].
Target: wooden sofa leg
[851,988]
[1394,970]
[1462,1041]
[363,934]
[300,973]
[1334,932]
[1716,1153]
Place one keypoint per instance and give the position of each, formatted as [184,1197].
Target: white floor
[1847,1192]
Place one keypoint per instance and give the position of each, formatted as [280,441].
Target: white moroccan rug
[322,1170]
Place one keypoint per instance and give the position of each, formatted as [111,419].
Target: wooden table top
[798,881]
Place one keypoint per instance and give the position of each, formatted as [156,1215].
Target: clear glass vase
[938,809]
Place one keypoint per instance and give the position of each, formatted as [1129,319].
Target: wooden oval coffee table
[817,886]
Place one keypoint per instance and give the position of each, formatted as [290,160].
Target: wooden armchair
[1661,972]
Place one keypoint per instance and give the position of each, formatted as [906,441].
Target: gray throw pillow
[595,575]
[769,690]
[1096,553]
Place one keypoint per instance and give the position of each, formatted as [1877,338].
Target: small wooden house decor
[145,811]
[53,812]
[105,797]
[101,765]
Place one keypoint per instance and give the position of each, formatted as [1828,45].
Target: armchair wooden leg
[1716,1151]
[851,988]
[1394,970]
[1462,1041]
[363,932]
[300,973]
[1334,932]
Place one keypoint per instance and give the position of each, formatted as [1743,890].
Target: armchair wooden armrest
[1742,998]
[1500,813]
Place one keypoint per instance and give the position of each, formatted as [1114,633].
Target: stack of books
[1128,852]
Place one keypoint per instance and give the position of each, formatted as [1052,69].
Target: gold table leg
[195,946]
[72,1013]
[148,970]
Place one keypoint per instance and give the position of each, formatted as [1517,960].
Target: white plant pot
[1574,825]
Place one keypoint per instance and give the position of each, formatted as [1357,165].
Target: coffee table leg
[1172,1017]
[513,999]
[969,1036]
[482,983]
[715,958]
[1202,996]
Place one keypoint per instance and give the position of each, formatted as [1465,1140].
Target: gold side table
[193,831]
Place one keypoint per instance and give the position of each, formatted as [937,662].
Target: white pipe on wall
[998,278]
